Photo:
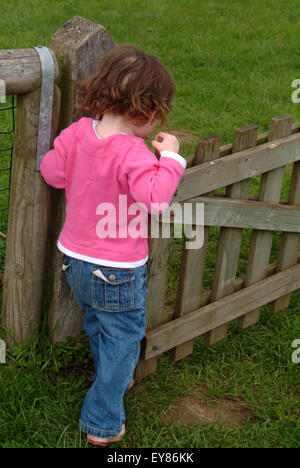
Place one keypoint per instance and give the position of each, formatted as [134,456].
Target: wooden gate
[230,298]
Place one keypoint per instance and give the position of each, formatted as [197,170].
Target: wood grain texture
[247,214]
[25,262]
[79,46]
[21,70]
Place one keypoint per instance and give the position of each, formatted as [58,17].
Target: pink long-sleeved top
[110,184]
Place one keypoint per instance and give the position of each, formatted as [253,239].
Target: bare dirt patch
[189,410]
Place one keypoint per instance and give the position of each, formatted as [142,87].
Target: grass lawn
[233,63]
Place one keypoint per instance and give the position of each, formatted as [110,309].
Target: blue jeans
[114,301]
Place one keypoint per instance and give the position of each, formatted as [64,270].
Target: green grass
[42,391]
[233,63]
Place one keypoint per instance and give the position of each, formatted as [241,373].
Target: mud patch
[190,410]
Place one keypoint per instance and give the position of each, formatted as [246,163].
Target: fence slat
[261,241]
[230,238]
[290,243]
[248,214]
[193,261]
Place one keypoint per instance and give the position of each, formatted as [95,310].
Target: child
[104,166]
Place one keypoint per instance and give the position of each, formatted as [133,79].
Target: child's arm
[53,165]
[153,181]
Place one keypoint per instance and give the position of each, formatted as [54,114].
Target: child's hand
[165,141]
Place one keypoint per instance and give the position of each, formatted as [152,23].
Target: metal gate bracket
[46,103]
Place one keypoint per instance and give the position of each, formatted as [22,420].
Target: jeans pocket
[67,262]
[66,267]
[112,288]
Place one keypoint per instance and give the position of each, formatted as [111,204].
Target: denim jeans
[114,302]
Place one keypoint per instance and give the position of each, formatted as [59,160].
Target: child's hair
[129,83]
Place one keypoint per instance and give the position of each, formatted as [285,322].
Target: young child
[106,169]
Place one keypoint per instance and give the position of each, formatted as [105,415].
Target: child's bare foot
[104,442]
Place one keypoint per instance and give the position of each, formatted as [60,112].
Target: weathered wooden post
[79,46]
[29,198]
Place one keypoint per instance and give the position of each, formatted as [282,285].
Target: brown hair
[130,83]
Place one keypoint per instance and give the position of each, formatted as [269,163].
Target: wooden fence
[33,263]
[199,312]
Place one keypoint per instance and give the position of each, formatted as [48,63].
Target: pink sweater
[94,171]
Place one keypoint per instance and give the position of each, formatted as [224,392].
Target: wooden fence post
[79,46]
[28,216]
